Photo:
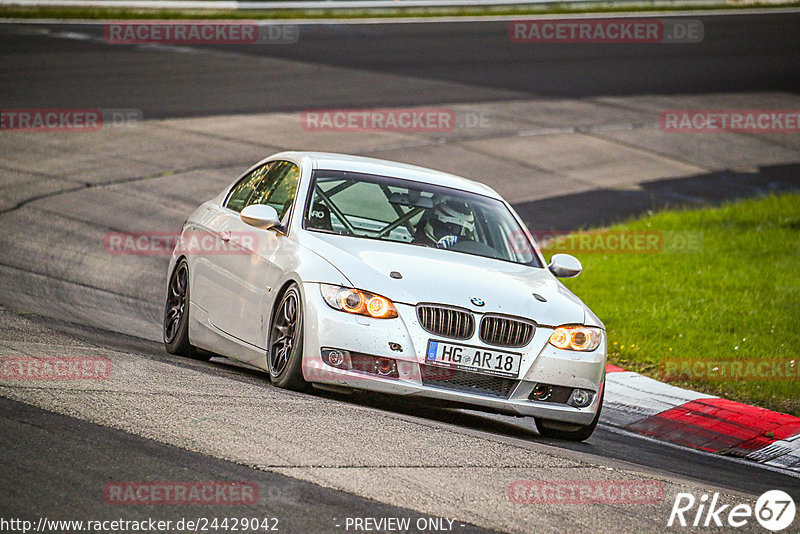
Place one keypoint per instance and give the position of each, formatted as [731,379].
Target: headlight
[580,338]
[358,302]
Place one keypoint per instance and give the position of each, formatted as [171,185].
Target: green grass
[20,12]
[738,298]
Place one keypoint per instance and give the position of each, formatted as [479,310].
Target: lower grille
[442,377]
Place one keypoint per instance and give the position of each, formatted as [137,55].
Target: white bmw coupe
[343,271]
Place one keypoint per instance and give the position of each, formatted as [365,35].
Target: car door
[216,290]
[249,272]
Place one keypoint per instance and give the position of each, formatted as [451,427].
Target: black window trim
[242,178]
[282,228]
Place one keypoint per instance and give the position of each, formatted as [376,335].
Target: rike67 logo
[774,510]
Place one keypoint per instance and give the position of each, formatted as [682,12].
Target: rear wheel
[558,430]
[285,356]
[176,314]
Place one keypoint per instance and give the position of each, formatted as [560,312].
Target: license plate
[469,358]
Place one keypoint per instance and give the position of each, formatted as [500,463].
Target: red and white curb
[646,406]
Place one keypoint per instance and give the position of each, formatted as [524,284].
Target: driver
[446,223]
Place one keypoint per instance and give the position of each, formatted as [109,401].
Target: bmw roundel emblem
[476,301]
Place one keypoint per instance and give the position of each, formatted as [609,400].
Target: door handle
[225,236]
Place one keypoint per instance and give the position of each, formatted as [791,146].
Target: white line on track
[455,19]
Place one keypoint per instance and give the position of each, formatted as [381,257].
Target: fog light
[541,392]
[385,366]
[336,358]
[581,398]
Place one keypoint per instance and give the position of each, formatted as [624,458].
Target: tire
[176,314]
[559,430]
[285,356]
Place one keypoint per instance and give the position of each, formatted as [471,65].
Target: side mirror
[565,266]
[260,216]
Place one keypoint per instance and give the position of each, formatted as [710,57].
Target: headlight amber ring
[358,302]
[576,337]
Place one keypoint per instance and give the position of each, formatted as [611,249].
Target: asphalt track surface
[57,459]
[738,53]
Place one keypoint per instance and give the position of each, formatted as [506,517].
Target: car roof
[345,162]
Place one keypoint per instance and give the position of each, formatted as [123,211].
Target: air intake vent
[446,322]
[506,331]
[477,384]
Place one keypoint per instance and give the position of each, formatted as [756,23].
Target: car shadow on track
[438,412]
[469,419]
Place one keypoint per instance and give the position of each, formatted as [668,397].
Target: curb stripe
[719,425]
[783,453]
[646,406]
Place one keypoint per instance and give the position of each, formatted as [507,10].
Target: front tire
[285,357]
[557,430]
[176,314]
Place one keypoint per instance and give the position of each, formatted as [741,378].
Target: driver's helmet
[450,220]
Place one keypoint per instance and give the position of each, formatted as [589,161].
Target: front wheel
[285,356]
[558,430]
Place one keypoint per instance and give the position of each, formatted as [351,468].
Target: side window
[240,194]
[278,187]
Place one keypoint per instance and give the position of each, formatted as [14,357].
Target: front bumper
[404,340]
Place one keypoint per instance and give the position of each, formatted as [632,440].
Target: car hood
[446,277]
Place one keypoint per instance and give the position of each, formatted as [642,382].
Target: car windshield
[403,211]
